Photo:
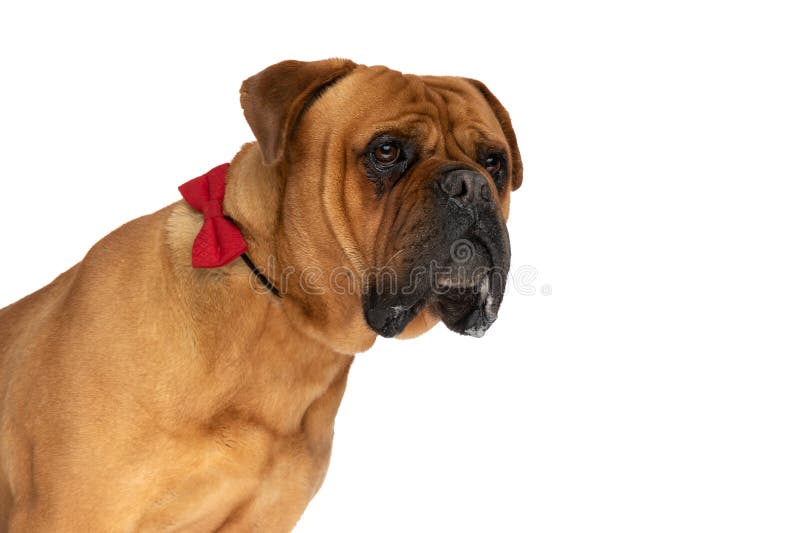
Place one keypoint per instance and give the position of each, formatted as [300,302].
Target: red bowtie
[219,241]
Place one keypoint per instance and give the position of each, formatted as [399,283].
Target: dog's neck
[267,365]
[255,198]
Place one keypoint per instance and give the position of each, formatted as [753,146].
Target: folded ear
[505,123]
[274,99]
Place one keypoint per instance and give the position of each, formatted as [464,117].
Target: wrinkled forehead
[434,109]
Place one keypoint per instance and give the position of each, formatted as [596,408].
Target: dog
[185,375]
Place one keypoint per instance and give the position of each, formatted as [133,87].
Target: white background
[656,389]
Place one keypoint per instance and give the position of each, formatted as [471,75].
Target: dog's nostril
[453,184]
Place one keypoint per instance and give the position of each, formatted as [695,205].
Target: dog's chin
[470,310]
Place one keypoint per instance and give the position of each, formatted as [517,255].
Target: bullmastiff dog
[185,375]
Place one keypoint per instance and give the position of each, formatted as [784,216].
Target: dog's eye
[386,159]
[387,153]
[493,164]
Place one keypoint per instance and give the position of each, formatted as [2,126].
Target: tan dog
[142,394]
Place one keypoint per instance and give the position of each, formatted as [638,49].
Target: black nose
[467,186]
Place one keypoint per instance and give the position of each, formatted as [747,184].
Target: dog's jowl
[186,374]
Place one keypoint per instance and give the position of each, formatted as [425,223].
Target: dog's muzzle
[462,276]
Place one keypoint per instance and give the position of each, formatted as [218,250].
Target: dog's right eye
[386,158]
[387,154]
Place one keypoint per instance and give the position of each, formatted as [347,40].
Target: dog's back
[46,355]
[24,329]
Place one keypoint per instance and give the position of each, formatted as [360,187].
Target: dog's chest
[245,474]
[244,480]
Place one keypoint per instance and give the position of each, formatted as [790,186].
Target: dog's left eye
[493,164]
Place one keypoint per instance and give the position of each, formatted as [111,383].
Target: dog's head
[403,181]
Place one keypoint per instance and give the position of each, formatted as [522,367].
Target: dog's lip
[391,320]
[467,304]
[495,254]
[465,279]
[445,282]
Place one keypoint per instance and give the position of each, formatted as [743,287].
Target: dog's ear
[505,123]
[274,99]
